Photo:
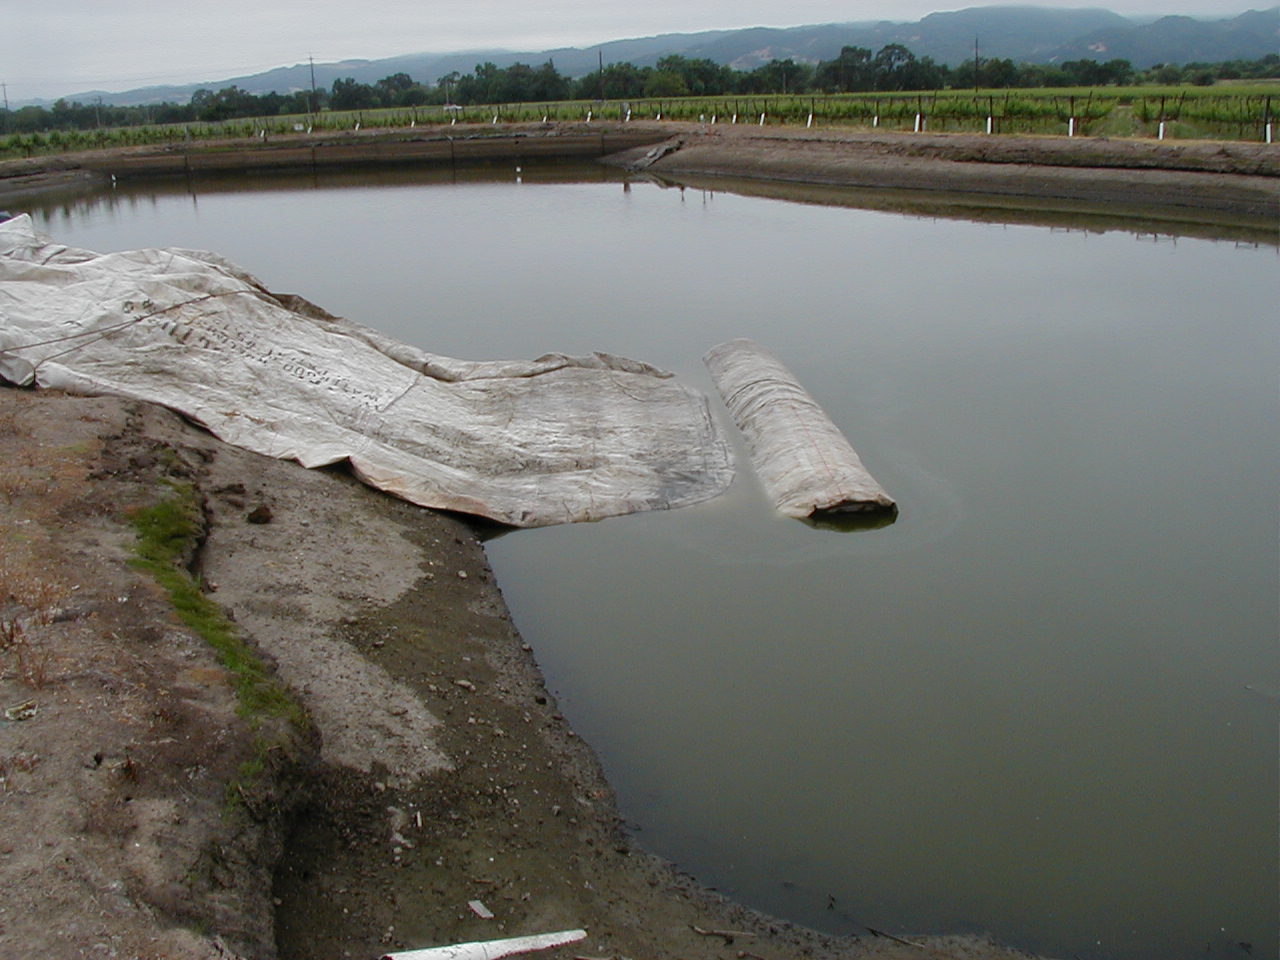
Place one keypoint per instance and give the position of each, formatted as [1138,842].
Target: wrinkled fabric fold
[526,443]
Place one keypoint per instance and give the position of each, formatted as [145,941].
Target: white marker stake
[917,130]
[809,125]
[875,121]
[735,120]
[1161,134]
[1268,131]
[762,119]
[588,116]
[492,949]
[989,124]
[1071,127]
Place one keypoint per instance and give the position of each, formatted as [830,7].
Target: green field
[1235,111]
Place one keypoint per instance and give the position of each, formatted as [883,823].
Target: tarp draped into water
[552,440]
[803,460]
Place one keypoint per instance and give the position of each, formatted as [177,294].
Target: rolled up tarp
[805,463]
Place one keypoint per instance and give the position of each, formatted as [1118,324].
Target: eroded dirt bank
[143,816]
[1232,178]
[1239,180]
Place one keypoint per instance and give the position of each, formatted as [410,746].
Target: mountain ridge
[1019,33]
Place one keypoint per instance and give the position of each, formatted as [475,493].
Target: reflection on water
[851,522]
[1030,705]
[1144,221]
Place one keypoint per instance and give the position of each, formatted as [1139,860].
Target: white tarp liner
[553,440]
[803,460]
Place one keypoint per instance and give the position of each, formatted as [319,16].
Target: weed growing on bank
[167,532]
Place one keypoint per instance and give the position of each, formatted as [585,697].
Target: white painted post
[917,130]
[990,124]
[628,114]
[1160,136]
[495,118]
[762,119]
[810,123]
[588,116]
[357,124]
[713,118]
[659,117]
[1071,127]
[1268,131]
[735,120]
[453,121]
[875,121]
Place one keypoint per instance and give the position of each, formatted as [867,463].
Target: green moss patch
[167,534]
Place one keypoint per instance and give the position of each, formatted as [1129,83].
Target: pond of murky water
[1042,703]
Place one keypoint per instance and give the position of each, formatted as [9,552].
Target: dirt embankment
[1229,178]
[150,810]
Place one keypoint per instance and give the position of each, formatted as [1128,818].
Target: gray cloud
[55,49]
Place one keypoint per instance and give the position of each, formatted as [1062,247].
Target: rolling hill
[1027,34]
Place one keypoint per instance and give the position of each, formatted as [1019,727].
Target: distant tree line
[855,69]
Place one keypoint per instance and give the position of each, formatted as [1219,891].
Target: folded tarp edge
[526,443]
[806,465]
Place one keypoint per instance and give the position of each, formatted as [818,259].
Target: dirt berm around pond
[161,800]
[1236,180]
[251,710]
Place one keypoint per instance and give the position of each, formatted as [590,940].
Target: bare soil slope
[141,816]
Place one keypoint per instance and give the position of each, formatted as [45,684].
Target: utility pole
[312,60]
[601,52]
[975,64]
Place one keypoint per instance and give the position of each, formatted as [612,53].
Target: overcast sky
[50,49]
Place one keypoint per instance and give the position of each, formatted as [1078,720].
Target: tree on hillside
[777,76]
[704,78]
[621,81]
[664,83]
[851,70]
[347,94]
[448,84]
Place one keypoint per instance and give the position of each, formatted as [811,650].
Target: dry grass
[20,762]
[37,482]
[22,656]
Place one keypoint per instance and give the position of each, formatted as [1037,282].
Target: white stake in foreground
[492,949]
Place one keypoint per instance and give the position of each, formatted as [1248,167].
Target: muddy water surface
[1043,702]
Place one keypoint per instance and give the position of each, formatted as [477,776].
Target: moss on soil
[168,532]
